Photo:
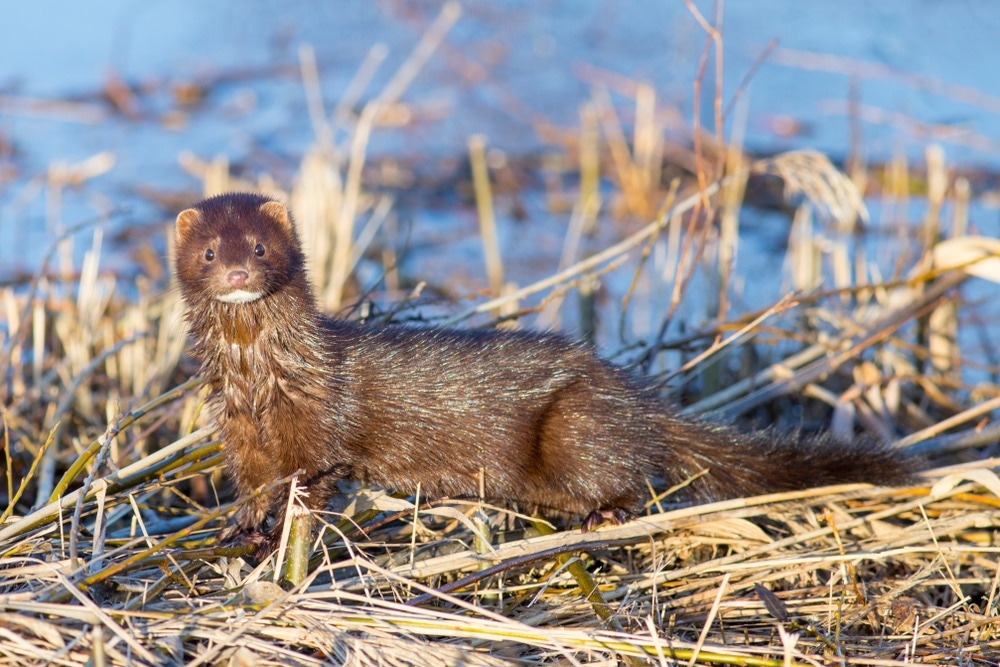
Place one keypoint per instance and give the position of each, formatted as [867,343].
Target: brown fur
[547,421]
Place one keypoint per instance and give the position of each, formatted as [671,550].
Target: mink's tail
[726,463]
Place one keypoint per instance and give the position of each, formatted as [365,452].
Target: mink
[540,419]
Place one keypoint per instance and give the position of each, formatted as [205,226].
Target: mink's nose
[237,278]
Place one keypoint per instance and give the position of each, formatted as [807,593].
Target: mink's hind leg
[591,452]
[576,455]
[615,515]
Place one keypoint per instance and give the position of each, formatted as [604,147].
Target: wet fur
[547,421]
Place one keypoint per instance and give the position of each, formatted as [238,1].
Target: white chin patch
[240,296]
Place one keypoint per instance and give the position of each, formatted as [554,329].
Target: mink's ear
[279,214]
[186,220]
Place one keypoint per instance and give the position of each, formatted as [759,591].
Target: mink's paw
[235,536]
[615,515]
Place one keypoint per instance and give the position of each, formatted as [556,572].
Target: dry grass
[108,540]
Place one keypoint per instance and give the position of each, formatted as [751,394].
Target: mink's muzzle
[237,278]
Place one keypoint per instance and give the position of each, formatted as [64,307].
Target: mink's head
[237,248]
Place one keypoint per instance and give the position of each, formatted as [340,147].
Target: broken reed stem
[112,431]
[299,541]
[590,170]
[630,178]
[7,513]
[937,184]
[12,496]
[976,411]
[962,195]
[647,140]
[314,99]
[343,230]
[425,48]
[351,97]
[728,244]
[585,210]
[645,255]
[487,219]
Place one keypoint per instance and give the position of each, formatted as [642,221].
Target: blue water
[504,67]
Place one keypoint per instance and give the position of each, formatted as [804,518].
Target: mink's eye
[259,250]
[209,255]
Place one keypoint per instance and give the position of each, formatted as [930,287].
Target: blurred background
[115,114]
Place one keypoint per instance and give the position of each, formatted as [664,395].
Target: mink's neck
[280,328]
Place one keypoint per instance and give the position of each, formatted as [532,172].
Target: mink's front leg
[249,526]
